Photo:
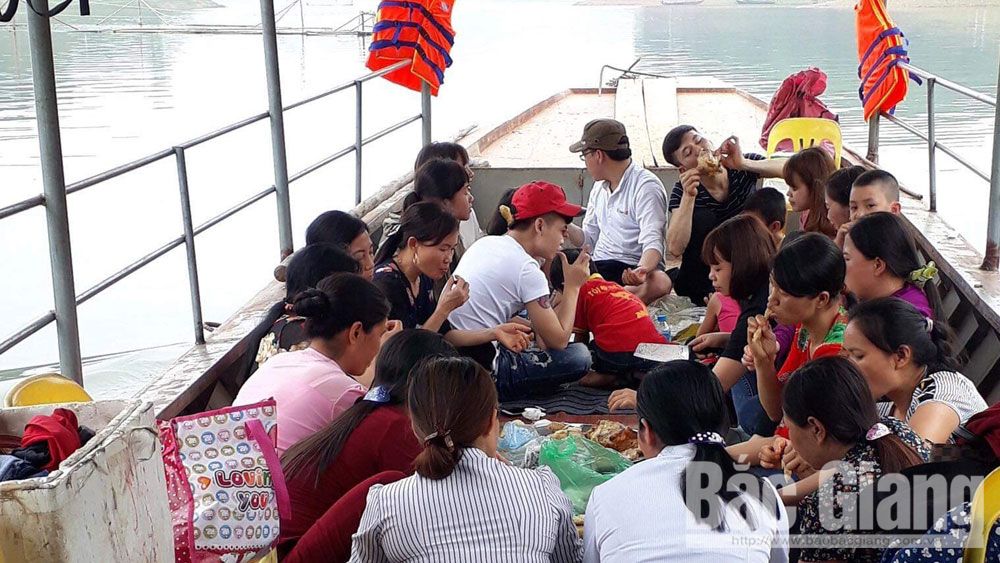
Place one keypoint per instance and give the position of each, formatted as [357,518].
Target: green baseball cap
[602,134]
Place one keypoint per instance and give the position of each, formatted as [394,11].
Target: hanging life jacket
[881,48]
[413,30]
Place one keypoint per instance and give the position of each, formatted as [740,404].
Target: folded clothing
[12,468]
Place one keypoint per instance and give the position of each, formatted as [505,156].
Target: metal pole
[54,183]
[992,259]
[269,33]
[358,140]
[873,124]
[192,260]
[302,17]
[425,113]
[931,147]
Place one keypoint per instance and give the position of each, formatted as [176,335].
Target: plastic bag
[225,484]
[581,465]
[516,439]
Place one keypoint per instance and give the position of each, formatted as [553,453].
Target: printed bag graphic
[227,493]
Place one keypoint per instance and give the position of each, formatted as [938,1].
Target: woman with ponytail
[908,362]
[882,261]
[346,318]
[464,504]
[660,510]
[372,436]
[833,424]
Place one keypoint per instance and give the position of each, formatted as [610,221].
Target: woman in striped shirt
[908,362]
[463,504]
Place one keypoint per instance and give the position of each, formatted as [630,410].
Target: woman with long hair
[372,436]
[833,424]
[346,319]
[348,232]
[806,173]
[658,510]
[502,512]
[909,363]
[882,261]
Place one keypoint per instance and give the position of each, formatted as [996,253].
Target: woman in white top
[657,510]
[908,362]
[463,504]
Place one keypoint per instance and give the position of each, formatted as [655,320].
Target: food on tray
[708,163]
[614,435]
[578,520]
[633,454]
[557,426]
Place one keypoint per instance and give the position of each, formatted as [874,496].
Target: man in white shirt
[626,216]
[504,277]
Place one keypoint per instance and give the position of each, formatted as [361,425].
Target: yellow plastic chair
[45,389]
[985,512]
[805,132]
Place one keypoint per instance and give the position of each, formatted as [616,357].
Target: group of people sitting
[388,364]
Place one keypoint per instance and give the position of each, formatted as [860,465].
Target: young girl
[806,173]
[371,436]
[908,363]
[682,414]
[807,279]
[882,261]
[838,195]
[346,320]
[463,504]
[417,256]
[348,232]
[831,418]
[469,230]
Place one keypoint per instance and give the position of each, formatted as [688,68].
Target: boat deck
[649,108]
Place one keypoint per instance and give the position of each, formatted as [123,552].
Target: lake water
[126,95]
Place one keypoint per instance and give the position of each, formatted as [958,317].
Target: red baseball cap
[538,198]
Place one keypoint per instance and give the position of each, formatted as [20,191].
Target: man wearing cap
[505,278]
[627,212]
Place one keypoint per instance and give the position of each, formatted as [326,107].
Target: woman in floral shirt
[833,425]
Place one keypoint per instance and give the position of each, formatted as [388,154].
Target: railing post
[931,147]
[873,125]
[425,114]
[192,260]
[269,33]
[358,140]
[54,184]
[991,260]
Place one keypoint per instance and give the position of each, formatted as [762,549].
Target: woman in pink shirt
[346,321]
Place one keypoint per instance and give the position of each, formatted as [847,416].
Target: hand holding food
[730,154]
[792,462]
[690,180]
[760,338]
[708,163]
[770,455]
[454,295]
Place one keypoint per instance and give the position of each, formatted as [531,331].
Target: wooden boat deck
[649,108]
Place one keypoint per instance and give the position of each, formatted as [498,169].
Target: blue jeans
[750,414]
[537,372]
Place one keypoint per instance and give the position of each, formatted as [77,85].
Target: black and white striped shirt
[486,511]
[742,185]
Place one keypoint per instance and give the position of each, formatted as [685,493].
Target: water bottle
[662,327]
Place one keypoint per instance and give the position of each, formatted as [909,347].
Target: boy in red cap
[505,278]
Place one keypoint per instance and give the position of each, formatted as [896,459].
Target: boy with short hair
[616,318]
[873,191]
[769,206]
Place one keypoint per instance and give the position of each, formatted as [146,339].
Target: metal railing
[991,260]
[64,311]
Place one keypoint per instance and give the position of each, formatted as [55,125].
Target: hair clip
[924,274]
[507,214]
[878,430]
[377,394]
[929,324]
[707,439]
[443,436]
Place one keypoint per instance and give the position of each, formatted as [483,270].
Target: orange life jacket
[413,30]
[881,47]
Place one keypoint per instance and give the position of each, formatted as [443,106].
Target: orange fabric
[871,19]
[416,31]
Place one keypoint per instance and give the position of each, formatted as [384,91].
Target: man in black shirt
[703,199]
